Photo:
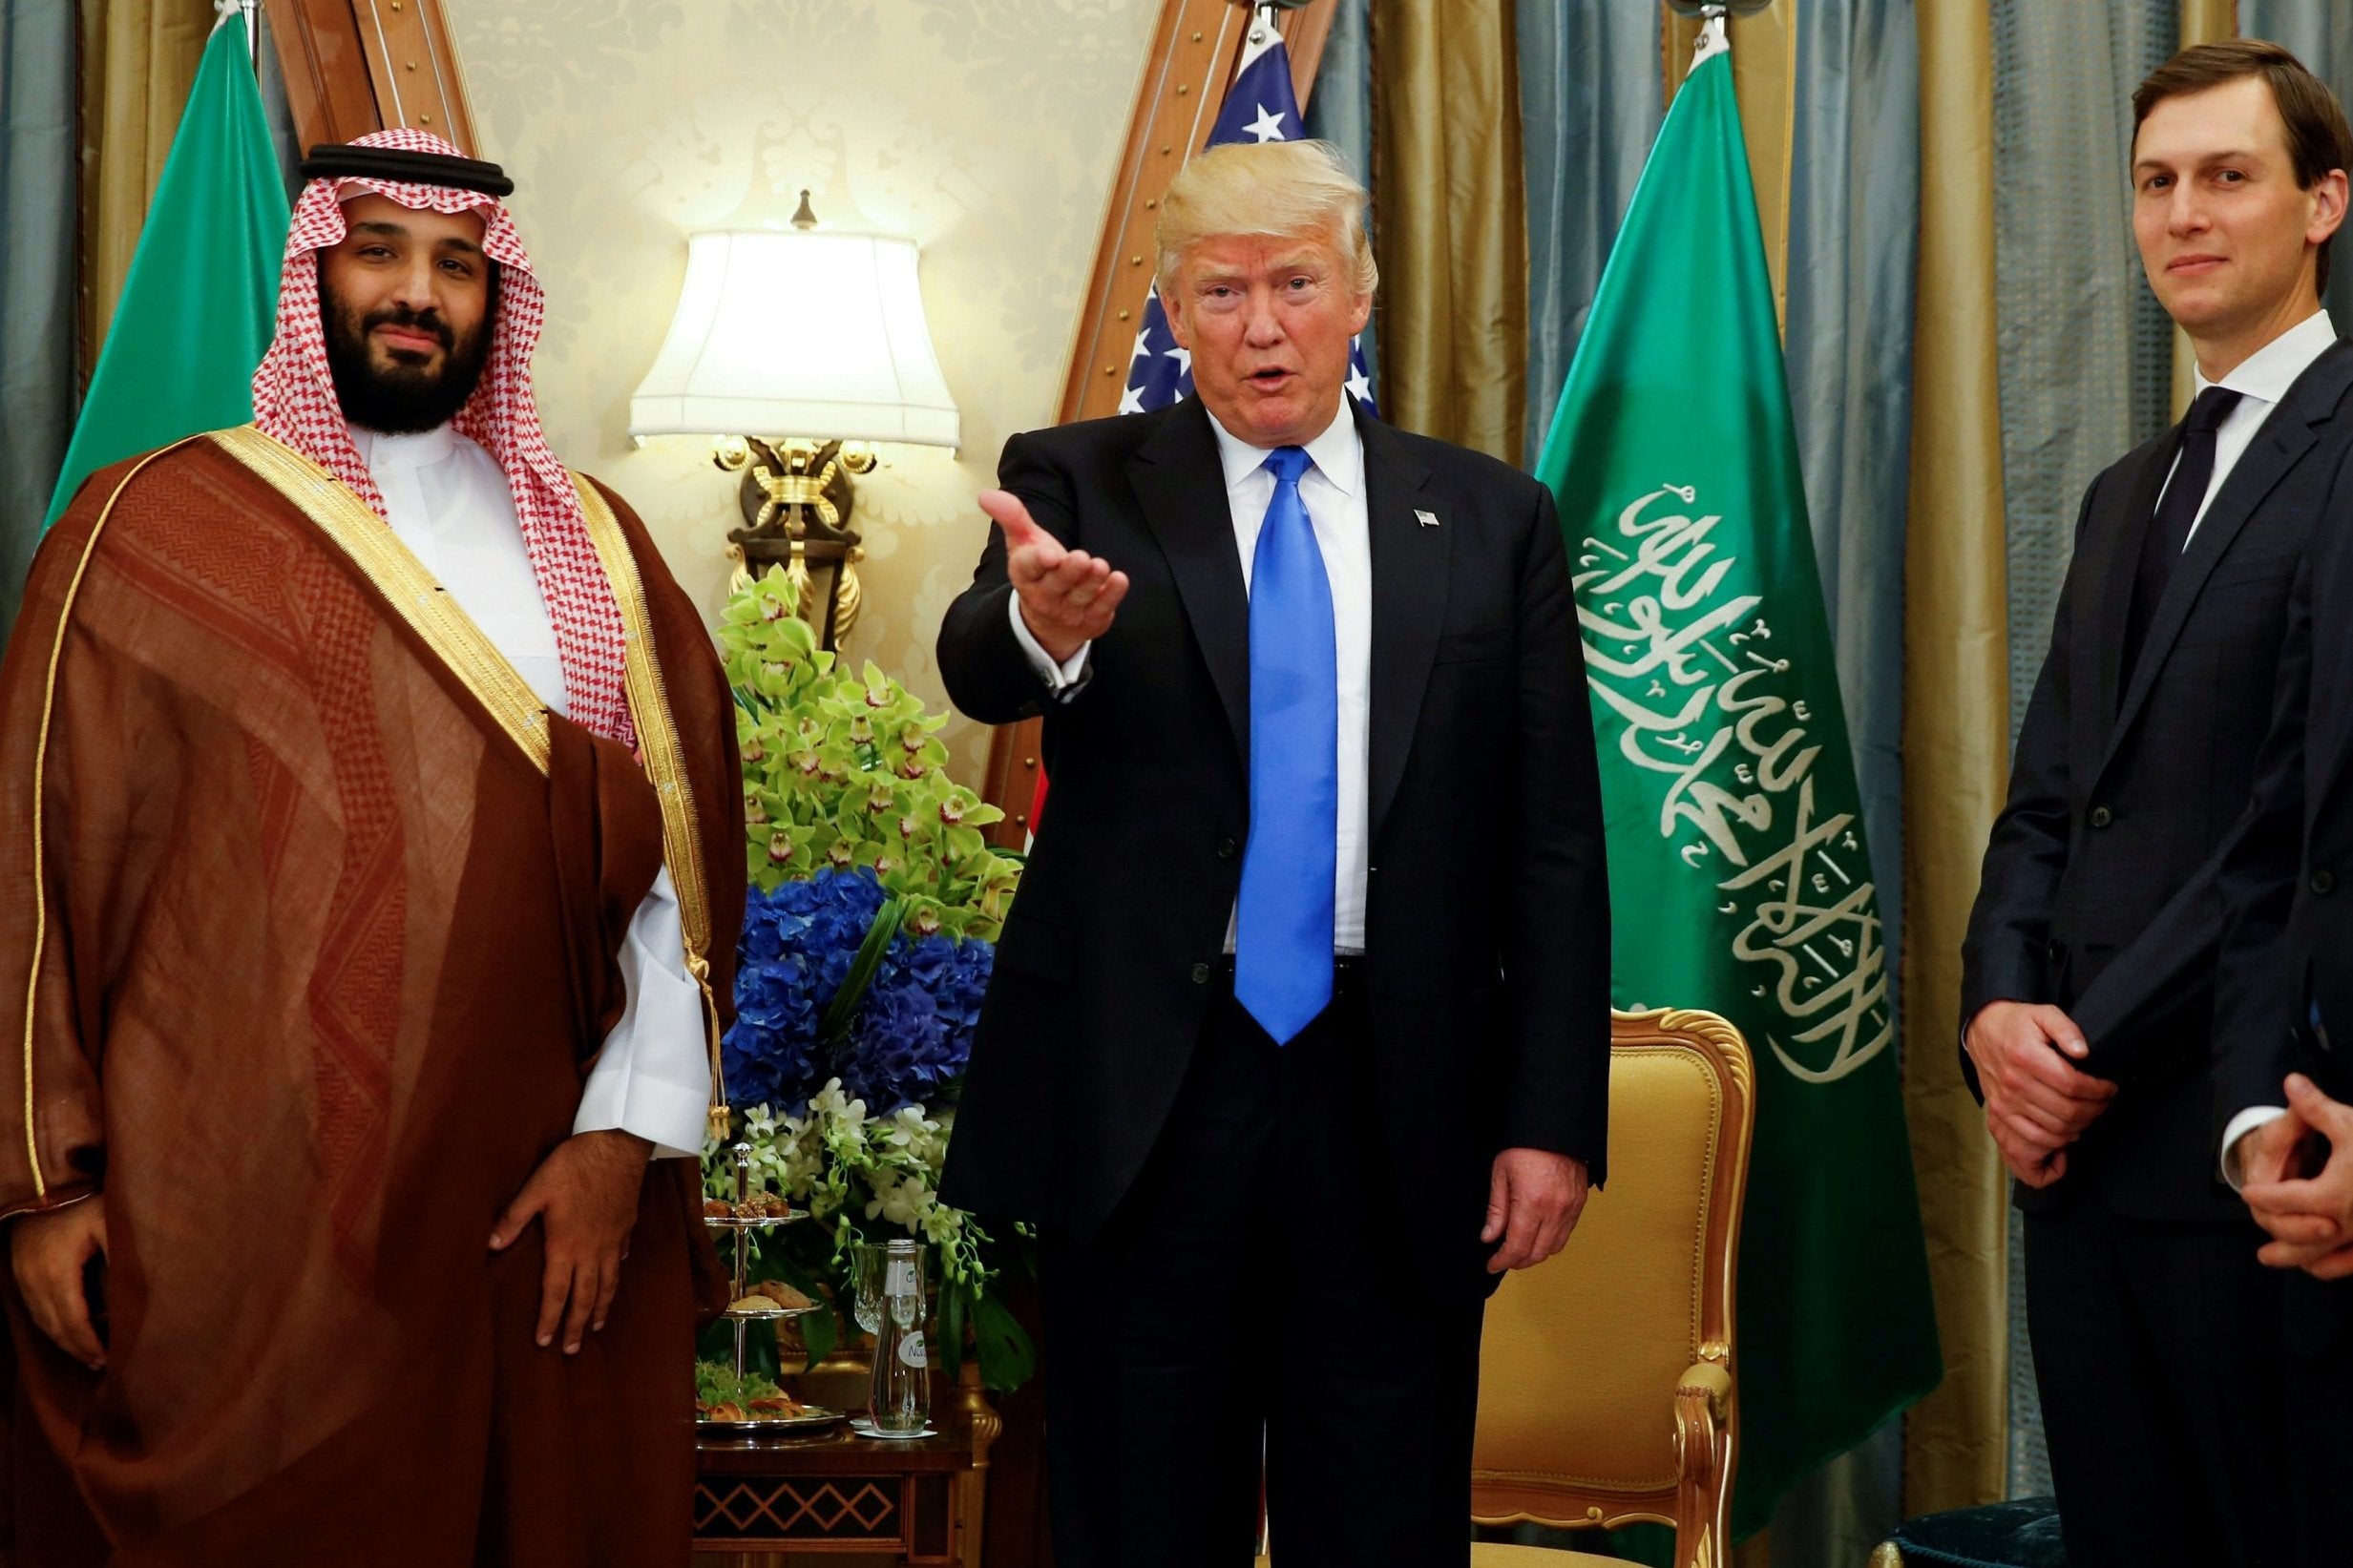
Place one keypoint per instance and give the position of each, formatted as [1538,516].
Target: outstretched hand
[1067,597]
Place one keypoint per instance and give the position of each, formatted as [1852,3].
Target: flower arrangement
[864,954]
[902,1042]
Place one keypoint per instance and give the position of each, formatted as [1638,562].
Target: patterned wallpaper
[986,131]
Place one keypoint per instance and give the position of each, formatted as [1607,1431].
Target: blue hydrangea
[915,1032]
[914,1029]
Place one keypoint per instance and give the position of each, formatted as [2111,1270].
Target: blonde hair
[1275,188]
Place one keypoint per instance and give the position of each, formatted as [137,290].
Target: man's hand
[585,1196]
[2310,1218]
[49,1253]
[1533,1202]
[2037,1102]
[1067,595]
[2274,1152]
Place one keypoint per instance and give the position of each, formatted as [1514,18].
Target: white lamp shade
[816,335]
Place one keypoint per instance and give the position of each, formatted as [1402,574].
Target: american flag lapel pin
[1427,519]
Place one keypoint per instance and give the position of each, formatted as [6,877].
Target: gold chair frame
[1706,1411]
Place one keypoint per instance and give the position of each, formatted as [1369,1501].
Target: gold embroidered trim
[40,780]
[665,764]
[396,574]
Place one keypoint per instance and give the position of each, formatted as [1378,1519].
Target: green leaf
[844,1008]
[820,1332]
[951,1335]
[1001,1345]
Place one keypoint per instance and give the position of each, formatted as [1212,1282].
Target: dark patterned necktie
[2168,530]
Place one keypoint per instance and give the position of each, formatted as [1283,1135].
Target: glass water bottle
[899,1402]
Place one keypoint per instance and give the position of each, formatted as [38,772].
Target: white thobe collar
[381,450]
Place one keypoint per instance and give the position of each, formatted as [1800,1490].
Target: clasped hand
[2309,1218]
[1067,597]
[584,1196]
[2037,1101]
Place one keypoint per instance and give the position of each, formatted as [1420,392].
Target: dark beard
[401,399]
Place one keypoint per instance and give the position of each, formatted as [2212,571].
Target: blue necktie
[1282,960]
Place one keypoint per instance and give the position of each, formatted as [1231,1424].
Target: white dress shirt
[1333,492]
[2262,380]
[448,501]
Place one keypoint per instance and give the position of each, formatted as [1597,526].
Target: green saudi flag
[1738,876]
[202,298]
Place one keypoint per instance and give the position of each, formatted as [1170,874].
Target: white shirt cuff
[654,1075]
[1063,680]
[2241,1125]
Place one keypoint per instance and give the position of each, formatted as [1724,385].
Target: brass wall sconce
[796,498]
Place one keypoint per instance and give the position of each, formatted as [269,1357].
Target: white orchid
[851,1170]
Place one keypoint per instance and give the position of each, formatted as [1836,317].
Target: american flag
[1259,107]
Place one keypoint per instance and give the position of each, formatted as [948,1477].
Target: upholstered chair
[1606,1392]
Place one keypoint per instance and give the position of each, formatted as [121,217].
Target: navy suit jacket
[2101,890]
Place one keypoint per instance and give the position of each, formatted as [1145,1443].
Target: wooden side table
[758,1499]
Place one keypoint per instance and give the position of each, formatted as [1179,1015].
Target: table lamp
[795,349]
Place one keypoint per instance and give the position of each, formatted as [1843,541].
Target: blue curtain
[2086,360]
[1852,218]
[1590,105]
[2320,32]
[37,238]
[1340,111]
[1853,225]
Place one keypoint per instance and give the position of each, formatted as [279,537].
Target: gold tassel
[721,1118]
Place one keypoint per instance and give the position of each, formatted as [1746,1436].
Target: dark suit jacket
[2121,795]
[1486,920]
[2279,906]
[2285,1001]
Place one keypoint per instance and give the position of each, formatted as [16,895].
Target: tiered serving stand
[737,1228]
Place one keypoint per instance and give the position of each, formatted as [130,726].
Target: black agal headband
[337,161]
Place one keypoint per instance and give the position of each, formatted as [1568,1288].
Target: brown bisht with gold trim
[308,914]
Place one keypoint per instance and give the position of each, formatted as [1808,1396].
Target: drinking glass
[866,1277]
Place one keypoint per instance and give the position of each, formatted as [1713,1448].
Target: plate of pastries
[750,1403]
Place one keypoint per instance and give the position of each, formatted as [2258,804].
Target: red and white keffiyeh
[294,400]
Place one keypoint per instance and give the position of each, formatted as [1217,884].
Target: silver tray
[756,1315]
[808,1420]
[765,1222]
